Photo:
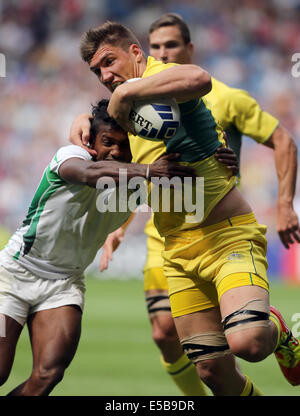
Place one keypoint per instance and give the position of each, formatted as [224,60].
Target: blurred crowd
[248,44]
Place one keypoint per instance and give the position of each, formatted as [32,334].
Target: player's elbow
[91,175]
[202,82]
[101,169]
[293,146]
[283,140]
[287,144]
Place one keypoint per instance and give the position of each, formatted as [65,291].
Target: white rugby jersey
[63,229]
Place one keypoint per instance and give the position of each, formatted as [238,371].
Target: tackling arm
[285,154]
[83,172]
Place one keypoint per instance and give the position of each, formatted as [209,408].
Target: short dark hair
[172,19]
[112,33]
[100,117]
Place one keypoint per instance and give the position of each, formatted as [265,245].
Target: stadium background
[248,44]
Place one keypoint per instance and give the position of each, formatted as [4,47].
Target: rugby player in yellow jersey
[238,113]
[216,267]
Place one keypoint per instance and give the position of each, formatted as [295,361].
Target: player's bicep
[74,170]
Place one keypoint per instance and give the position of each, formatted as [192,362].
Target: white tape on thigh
[244,318]
[158,304]
[206,346]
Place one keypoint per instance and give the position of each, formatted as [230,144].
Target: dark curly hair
[100,117]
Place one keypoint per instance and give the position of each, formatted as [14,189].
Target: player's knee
[48,377]
[248,331]
[249,345]
[210,374]
[164,334]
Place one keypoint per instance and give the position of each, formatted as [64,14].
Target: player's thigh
[159,311]
[201,322]
[197,319]
[246,309]
[202,339]
[156,295]
[54,335]
[238,297]
[10,332]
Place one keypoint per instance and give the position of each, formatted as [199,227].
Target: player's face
[113,65]
[167,45]
[112,144]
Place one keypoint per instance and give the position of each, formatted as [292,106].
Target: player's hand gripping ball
[157,120]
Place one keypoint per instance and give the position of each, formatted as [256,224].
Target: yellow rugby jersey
[239,114]
[196,140]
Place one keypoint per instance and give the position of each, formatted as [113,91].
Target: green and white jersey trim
[63,229]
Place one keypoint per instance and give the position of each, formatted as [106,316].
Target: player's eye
[154,46]
[108,143]
[97,71]
[172,45]
[108,61]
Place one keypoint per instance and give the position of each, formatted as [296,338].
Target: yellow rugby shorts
[154,278]
[202,264]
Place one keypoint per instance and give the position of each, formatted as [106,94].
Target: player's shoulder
[230,97]
[69,151]
[226,90]
[154,66]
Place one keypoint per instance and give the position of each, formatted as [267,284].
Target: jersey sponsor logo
[235,257]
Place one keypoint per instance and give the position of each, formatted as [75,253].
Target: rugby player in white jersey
[42,267]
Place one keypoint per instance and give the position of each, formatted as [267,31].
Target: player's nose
[116,153]
[106,76]
[162,53]
[164,57]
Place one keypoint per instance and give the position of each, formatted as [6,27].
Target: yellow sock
[185,376]
[275,320]
[250,389]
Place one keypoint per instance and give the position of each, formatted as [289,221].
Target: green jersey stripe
[49,184]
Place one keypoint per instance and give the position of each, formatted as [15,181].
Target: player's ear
[190,48]
[136,51]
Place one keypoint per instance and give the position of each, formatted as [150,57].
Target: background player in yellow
[238,113]
[4,237]
[200,296]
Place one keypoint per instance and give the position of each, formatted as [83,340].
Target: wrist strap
[147,172]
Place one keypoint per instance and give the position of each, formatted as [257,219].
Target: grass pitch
[116,355]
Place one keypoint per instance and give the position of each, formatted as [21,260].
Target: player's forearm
[82,172]
[78,171]
[286,165]
[182,82]
[114,170]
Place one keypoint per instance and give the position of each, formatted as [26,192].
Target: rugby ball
[157,120]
